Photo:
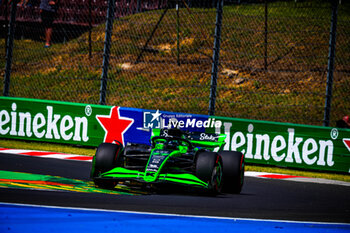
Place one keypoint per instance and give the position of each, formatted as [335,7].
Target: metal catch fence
[286,61]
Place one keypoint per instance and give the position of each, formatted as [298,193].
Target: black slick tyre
[209,169]
[233,171]
[106,158]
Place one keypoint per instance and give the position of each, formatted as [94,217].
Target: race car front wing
[124,174]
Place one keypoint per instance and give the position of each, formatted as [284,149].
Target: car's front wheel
[107,157]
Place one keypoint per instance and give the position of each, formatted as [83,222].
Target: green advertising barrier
[51,121]
[288,145]
[262,142]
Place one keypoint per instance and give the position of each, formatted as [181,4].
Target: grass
[15,144]
[292,90]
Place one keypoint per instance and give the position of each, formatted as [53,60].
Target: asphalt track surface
[259,199]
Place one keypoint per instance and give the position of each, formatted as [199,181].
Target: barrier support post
[107,51]
[330,67]
[216,53]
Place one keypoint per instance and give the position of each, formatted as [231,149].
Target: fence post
[330,68]
[178,31]
[265,37]
[216,53]
[138,6]
[107,50]
[9,48]
[6,23]
[90,28]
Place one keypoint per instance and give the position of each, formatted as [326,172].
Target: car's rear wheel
[107,157]
[233,171]
[209,169]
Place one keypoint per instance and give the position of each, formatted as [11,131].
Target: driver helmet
[175,132]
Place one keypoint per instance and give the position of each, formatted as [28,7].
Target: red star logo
[347,142]
[114,125]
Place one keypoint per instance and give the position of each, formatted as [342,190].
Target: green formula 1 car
[175,157]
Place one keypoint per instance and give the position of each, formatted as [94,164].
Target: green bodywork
[155,175]
[152,177]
